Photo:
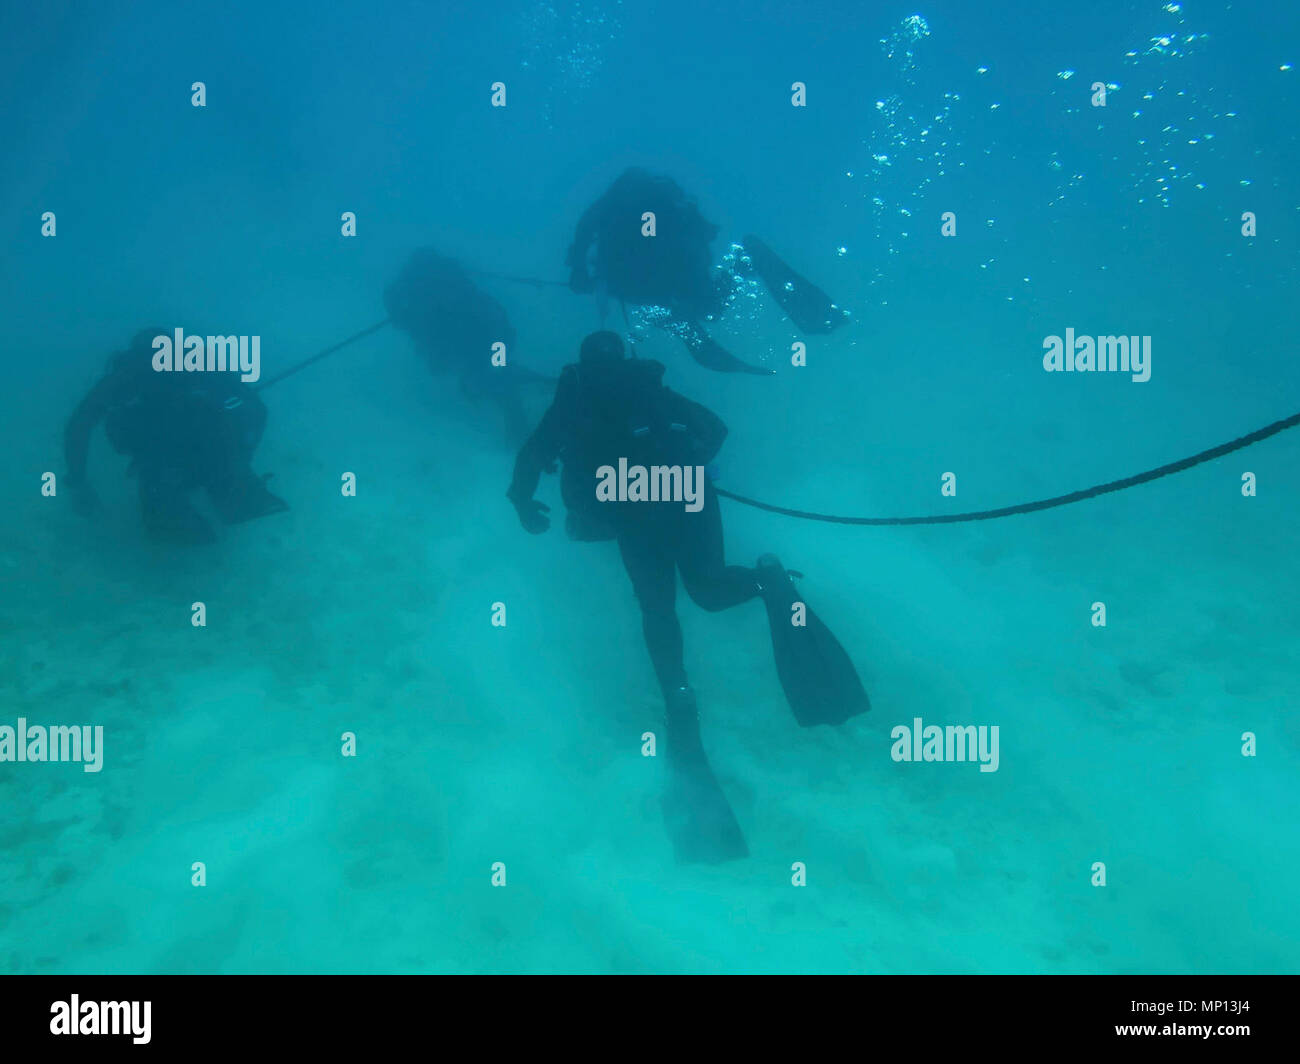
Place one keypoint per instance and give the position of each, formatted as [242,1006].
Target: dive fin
[803,302]
[697,815]
[712,355]
[819,679]
[243,497]
[699,820]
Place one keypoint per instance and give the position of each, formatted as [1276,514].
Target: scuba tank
[626,412]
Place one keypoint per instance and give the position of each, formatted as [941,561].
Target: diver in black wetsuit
[454,324]
[611,255]
[609,408]
[182,431]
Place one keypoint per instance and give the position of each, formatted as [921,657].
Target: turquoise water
[478,744]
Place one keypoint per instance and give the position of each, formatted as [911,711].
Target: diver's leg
[697,816]
[649,565]
[237,493]
[248,423]
[712,584]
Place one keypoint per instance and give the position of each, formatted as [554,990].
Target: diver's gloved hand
[532,515]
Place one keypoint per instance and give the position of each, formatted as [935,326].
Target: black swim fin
[712,355]
[243,496]
[820,682]
[804,303]
[699,820]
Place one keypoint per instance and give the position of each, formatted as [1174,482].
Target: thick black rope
[929,519]
[1041,504]
[322,354]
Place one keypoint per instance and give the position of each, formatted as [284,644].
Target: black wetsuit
[673,268]
[605,412]
[182,431]
[454,324]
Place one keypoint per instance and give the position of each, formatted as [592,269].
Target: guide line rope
[322,354]
[534,281]
[928,519]
[1041,504]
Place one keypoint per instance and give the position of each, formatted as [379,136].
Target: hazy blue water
[521,745]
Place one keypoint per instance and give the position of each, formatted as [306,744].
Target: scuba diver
[182,431]
[613,255]
[454,323]
[610,411]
